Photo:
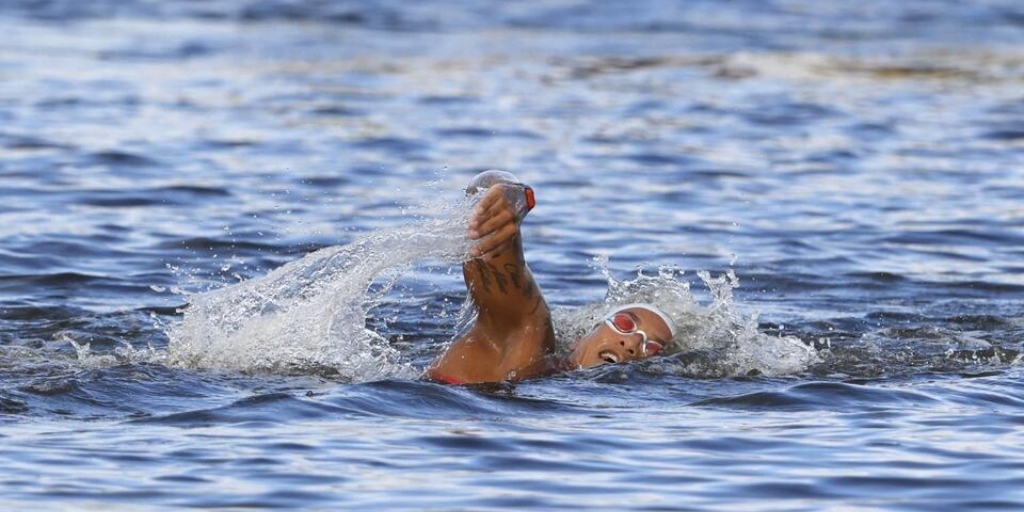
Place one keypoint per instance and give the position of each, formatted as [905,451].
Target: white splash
[714,340]
[310,315]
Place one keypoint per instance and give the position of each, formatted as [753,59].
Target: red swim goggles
[624,323]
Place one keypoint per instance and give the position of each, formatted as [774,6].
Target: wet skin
[513,338]
[606,345]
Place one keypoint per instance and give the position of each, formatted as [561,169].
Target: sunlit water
[230,236]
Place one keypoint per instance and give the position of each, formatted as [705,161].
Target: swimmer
[513,338]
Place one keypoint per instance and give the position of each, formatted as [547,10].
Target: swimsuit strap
[447,380]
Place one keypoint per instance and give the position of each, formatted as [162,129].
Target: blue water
[230,231]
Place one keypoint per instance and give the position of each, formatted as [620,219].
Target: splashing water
[310,315]
[713,341]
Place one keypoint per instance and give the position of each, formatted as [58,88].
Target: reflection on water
[230,237]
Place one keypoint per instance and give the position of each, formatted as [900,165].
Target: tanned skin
[513,338]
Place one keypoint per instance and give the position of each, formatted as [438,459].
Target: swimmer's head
[627,333]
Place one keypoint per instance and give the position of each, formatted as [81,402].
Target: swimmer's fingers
[492,206]
[497,239]
[495,221]
[492,199]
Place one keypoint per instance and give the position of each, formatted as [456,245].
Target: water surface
[230,234]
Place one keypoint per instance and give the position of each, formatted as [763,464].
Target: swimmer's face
[630,334]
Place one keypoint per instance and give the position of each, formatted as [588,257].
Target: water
[229,242]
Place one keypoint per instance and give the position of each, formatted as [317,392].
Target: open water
[230,235]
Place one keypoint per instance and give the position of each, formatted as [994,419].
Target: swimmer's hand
[494,221]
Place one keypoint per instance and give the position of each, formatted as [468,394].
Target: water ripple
[847,173]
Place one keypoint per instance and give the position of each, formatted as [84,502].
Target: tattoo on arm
[500,279]
[518,277]
[515,274]
[488,272]
[485,280]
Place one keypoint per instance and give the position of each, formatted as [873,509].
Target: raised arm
[497,278]
[512,336]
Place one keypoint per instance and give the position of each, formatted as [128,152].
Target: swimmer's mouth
[608,356]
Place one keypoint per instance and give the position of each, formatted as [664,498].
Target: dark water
[857,166]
